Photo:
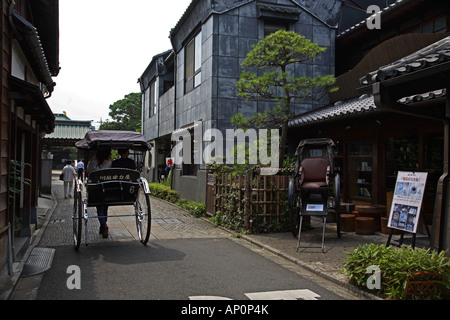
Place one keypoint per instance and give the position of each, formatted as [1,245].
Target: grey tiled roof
[68,131]
[434,54]
[424,97]
[340,109]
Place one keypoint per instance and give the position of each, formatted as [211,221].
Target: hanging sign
[170,162]
[407,201]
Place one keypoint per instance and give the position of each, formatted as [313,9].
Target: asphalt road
[175,269]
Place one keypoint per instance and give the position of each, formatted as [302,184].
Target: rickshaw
[314,189]
[113,186]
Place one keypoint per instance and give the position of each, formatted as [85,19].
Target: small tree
[273,57]
[125,113]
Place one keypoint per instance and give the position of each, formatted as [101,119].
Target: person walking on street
[80,169]
[69,176]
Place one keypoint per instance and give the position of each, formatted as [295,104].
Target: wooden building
[30,58]
[382,120]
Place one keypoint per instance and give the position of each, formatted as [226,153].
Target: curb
[48,216]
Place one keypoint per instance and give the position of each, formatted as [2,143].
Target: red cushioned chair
[314,181]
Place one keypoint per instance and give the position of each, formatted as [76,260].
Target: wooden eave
[29,97]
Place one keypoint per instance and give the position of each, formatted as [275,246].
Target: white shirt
[68,171]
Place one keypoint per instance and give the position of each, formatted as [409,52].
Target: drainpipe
[383,102]
[175,90]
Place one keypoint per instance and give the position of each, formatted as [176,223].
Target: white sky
[104,47]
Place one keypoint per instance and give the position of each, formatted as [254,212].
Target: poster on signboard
[407,201]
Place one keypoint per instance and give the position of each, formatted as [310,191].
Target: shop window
[434,155]
[402,154]
[360,168]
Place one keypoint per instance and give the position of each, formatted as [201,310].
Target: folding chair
[314,188]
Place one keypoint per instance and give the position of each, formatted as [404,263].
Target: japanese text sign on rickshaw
[407,201]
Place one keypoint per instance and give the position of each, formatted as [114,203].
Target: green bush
[195,208]
[218,219]
[163,192]
[396,266]
[199,210]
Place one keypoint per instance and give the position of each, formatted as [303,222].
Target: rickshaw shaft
[114,216]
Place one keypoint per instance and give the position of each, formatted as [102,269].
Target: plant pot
[348,222]
[364,225]
[372,211]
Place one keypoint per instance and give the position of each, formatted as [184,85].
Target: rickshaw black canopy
[308,148]
[326,144]
[113,139]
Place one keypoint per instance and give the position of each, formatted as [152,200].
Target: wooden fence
[250,200]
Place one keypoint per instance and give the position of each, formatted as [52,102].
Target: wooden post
[440,235]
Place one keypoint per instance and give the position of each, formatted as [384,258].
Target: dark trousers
[80,173]
[102,211]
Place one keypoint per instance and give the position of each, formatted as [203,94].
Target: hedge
[163,192]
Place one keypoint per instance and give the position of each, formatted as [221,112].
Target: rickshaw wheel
[77,219]
[143,216]
[295,202]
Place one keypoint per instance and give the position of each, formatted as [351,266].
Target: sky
[104,47]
